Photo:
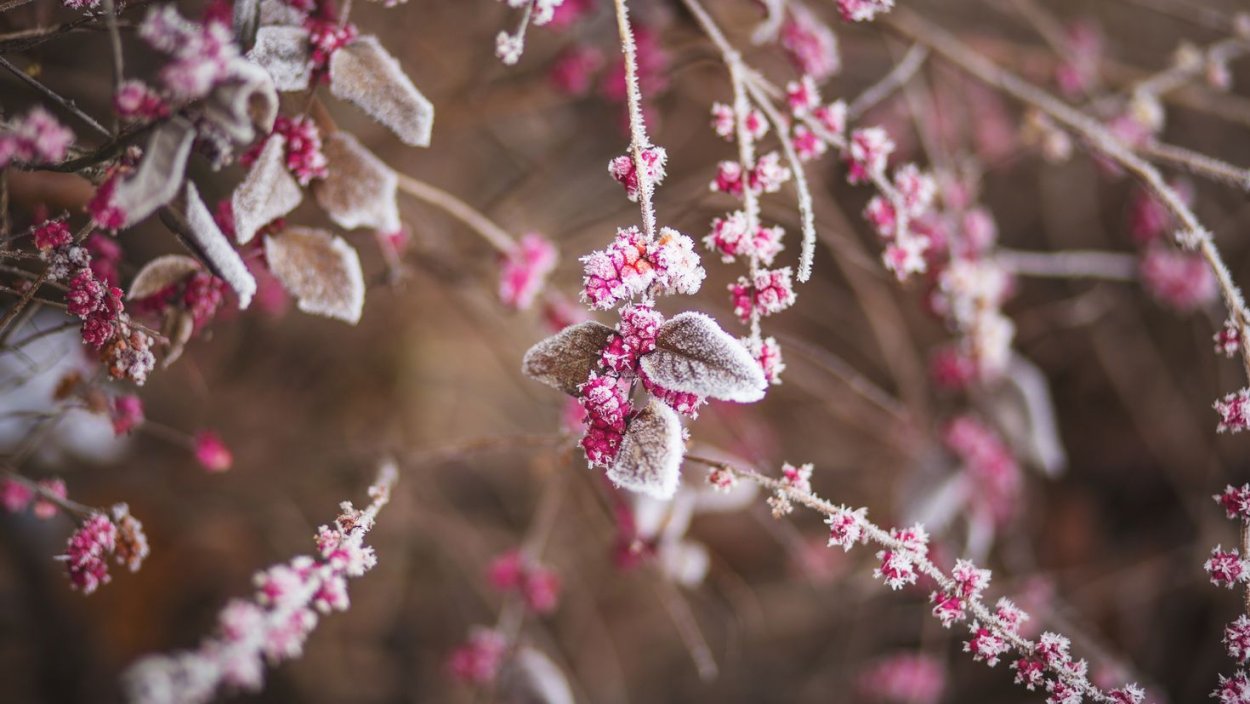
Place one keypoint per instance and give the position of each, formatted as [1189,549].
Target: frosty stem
[637,125]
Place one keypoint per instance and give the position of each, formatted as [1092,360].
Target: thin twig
[54,96]
[638,140]
[898,77]
[494,235]
[1070,264]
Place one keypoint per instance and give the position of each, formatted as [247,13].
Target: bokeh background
[1109,551]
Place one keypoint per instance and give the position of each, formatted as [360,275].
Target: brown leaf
[650,457]
[159,273]
[358,190]
[364,73]
[216,249]
[159,176]
[693,355]
[284,54]
[242,103]
[267,192]
[565,360]
[320,270]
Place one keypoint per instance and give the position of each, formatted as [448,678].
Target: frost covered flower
[1234,689]
[767,354]
[201,53]
[52,234]
[635,336]
[607,405]
[905,678]
[1237,639]
[797,478]
[725,122]
[525,269]
[868,153]
[623,169]
[1236,501]
[1234,410]
[126,413]
[1180,280]
[621,271]
[36,136]
[802,95]
[327,36]
[771,291]
[1226,569]
[807,144]
[137,101]
[722,479]
[832,117]
[811,46]
[898,564]
[985,645]
[863,10]
[769,174]
[1228,339]
[477,661]
[846,527]
[1008,615]
[905,255]
[86,554]
[677,267]
[211,452]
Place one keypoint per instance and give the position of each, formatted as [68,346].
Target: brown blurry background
[431,374]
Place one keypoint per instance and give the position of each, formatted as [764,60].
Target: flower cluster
[1228,568]
[992,473]
[525,270]
[967,583]
[538,586]
[905,678]
[809,43]
[16,496]
[769,291]
[634,265]
[106,326]
[36,136]
[136,101]
[898,561]
[275,624]
[1234,410]
[97,539]
[622,169]
[201,53]
[863,10]
[477,661]
[302,141]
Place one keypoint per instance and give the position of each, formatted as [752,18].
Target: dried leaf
[651,453]
[218,253]
[159,176]
[267,192]
[242,103]
[530,677]
[358,190]
[364,73]
[1025,413]
[693,355]
[179,325]
[565,360]
[284,54]
[320,270]
[159,273]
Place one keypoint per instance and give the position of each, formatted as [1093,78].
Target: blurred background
[1108,550]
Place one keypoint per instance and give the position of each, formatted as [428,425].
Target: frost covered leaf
[320,270]
[364,73]
[284,54]
[565,360]
[179,325]
[244,102]
[245,18]
[216,249]
[693,355]
[159,273]
[267,192]
[530,677]
[651,453]
[358,190]
[159,176]
[1026,415]
[280,12]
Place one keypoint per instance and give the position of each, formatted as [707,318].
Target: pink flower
[35,137]
[1236,501]
[810,45]
[1234,410]
[211,452]
[137,101]
[772,291]
[52,234]
[127,413]
[1233,690]
[635,336]
[797,478]
[85,555]
[802,95]
[620,271]
[478,660]
[1030,672]
[868,153]
[506,571]
[326,37]
[1237,639]
[572,72]
[104,213]
[769,174]
[44,508]
[722,479]
[687,404]
[622,169]
[1228,339]
[1180,280]
[201,54]
[807,145]
[725,122]
[607,404]
[525,269]
[14,495]
[906,678]
[951,367]
[768,354]
[985,646]
[1009,616]
[832,117]
[1226,568]
[845,527]
[863,10]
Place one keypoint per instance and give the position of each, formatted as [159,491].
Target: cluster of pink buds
[525,270]
[809,43]
[106,326]
[991,470]
[967,583]
[302,140]
[769,291]
[905,678]
[634,265]
[863,10]
[1228,339]
[16,496]
[794,479]
[1228,569]
[538,586]
[126,413]
[136,101]
[274,626]
[1234,410]
[97,539]
[200,53]
[898,562]
[477,661]
[622,169]
[327,36]
[34,137]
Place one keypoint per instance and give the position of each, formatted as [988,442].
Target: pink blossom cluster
[725,122]
[767,352]
[538,586]
[126,413]
[302,139]
[731,238]
[634,264]
[212,452]
[201,53]
[846,527]
[274,626]
[809,43]
[769,291]
[1234,410]
[200,294]
[1228,339]
[327,36]
[107,327]
[967,583]
[52,234]
[36,136]
[767,175]
[905,678]
[99,538]
[991,470]
[606,402]
[898,562]
[573,70]
[16,496]
[1228,568]
[477,661]
[139,102]
[622,169]
[525,269]
[1180,280]
[863,10]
